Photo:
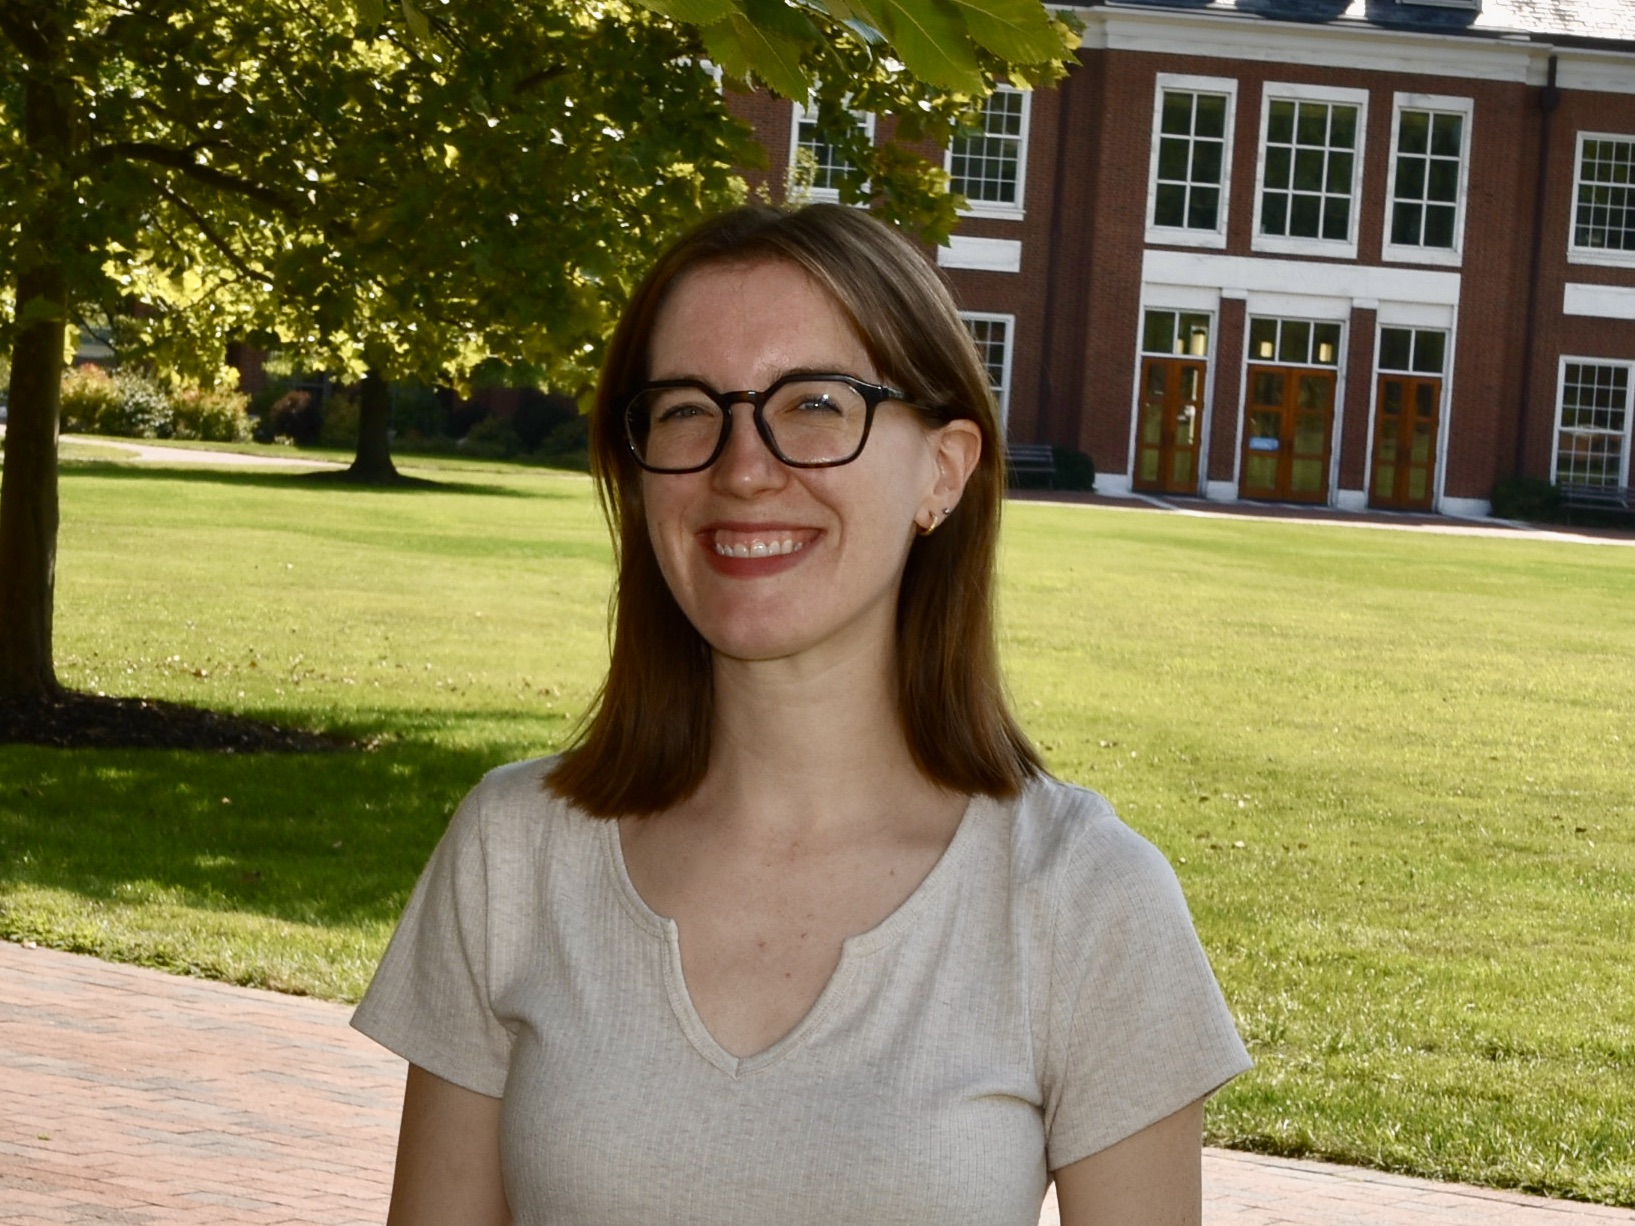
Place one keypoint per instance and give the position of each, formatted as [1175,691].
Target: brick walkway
[131,1096]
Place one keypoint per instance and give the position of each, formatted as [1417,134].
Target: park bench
[1597,497]
[1031,460]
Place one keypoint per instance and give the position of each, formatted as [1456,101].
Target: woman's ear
[956,447]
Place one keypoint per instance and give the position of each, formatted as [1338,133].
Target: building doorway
[1288,436]
[1169,417]
[1407,415]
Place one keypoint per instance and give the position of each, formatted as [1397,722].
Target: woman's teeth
[756,547]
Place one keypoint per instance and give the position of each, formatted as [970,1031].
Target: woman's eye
[681,412]
[816,404]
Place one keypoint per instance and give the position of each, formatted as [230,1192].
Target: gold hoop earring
[936,522]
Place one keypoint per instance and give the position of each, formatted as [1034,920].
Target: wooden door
[1172,393]
[1288,434]
[1405,423]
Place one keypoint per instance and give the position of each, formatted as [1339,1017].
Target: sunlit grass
[1392,769]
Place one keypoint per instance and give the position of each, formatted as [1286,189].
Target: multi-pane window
[1187,189]
[1604,217]
[813,156]
[1425,180]
[992,334]
[986,166]
[1419,351]
[1294,342]
[1592,434]
[1175,333]
[1310,166]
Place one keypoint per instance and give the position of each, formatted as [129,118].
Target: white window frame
[989,208]
[1002,394]
[1183,236]
[1594,255]
[1437,104]
[804,114]
[1629,411]
[1275,91]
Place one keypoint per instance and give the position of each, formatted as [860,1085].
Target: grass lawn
[1393,770]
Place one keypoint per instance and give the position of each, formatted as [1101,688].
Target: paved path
[158,453]
[131,1096]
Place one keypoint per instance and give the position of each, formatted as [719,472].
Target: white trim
[1197,298]
[802,113]
[1221,491]
[1115,485]
[1328,45]
[1351,500]
[1437,104]
[1229,273]
[985,208]
[1004,397]
[1466,508]
[1509,57]
[1629,410]
[1422,315]
[1279,91]
[1598,301]
[981,254]
[1183,236]
[1595,255]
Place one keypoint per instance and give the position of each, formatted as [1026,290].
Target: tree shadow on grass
[323,480]
[333,839]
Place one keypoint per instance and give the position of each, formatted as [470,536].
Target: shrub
[1526,498]
[212,414]
[538,414]
[86,392]
[417,410]
[293,416]
[1074,469]
[493,438]
[340,424]
[141,410]
[568,445]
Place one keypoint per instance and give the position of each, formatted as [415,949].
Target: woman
[799,930]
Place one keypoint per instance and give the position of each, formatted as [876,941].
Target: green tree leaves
[950,44]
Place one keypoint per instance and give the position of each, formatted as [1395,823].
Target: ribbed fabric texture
[1040,996]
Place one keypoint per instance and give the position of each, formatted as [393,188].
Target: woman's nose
[746,465]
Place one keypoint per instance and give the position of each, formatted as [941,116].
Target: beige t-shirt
[1040,996]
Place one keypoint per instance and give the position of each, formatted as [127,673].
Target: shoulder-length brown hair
[646,744]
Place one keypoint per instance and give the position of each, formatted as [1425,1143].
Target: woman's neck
[806,749]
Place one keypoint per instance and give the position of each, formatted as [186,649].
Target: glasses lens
[817,421]
[673,428]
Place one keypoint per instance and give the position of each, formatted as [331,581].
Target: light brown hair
[646,744]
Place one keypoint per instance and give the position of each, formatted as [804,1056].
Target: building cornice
[1514,58]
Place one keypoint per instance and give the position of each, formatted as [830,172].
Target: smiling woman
[799,930]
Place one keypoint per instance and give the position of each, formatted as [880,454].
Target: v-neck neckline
[853,949]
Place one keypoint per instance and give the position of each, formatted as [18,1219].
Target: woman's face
[773,562]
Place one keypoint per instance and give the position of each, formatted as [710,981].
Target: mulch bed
[93,721]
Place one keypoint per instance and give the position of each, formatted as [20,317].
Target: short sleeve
[1138,1027]
[430,999]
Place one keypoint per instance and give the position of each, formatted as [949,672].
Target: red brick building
[1356,253]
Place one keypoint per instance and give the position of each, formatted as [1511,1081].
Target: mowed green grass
[1392,769]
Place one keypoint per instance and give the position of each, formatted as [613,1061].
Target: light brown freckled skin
[762,321]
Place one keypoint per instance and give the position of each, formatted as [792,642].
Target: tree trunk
[28,493]
[28,487]
[373,462]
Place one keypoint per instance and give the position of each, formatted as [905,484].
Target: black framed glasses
[806,420]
